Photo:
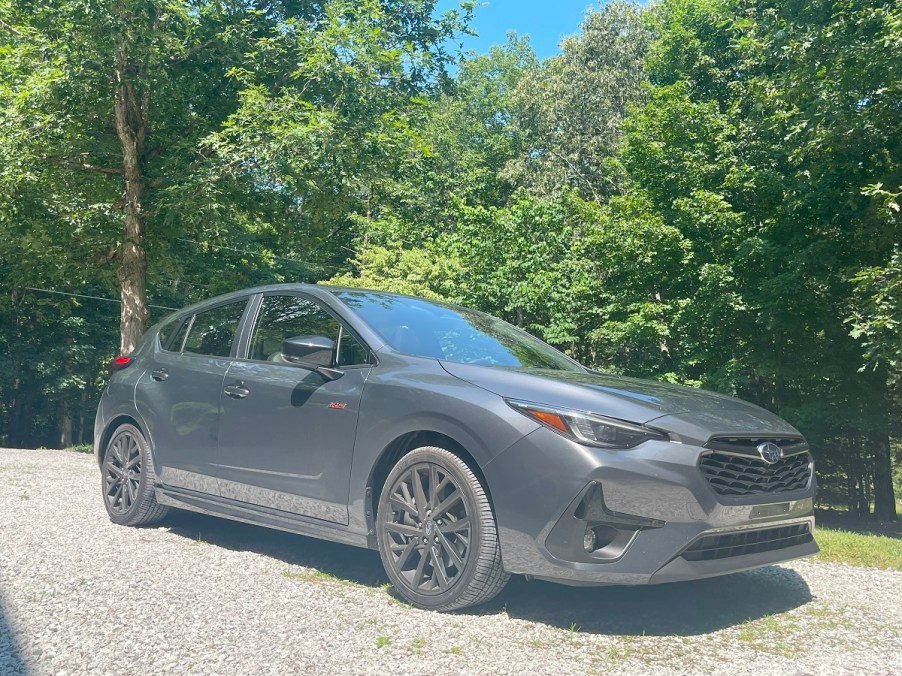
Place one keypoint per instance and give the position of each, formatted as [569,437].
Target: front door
[286,434]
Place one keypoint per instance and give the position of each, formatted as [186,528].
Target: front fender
[399,400]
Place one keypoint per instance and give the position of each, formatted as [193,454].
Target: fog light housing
[589,540]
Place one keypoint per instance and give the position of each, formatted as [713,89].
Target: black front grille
[734,474]
[737,543]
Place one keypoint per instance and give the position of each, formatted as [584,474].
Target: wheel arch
[114,424]
[400,447]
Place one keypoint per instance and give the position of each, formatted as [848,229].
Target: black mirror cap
[313,350]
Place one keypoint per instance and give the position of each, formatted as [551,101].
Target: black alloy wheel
[437,534]
[128,479]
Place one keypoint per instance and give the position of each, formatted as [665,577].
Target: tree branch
[192,51]
[84,166]
[11,29]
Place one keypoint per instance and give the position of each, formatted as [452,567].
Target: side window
[213,330]
[165,333]
[351,352]
[179,339]
[283,317]
[179,328]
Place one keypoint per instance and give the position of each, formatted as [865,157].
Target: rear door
[179,395]
[286,434]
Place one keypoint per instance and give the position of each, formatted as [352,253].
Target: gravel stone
[200,595]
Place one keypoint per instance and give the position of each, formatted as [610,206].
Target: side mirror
[316,353]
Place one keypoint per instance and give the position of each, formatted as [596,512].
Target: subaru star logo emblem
[770,452]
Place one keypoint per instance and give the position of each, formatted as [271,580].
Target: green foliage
[716,227]
[571,108]
[877,315]
[417,272]
[524,263]
[469,134]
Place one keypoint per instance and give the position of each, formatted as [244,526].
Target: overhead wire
[175,283]
[86,296]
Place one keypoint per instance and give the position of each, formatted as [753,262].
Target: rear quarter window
[172,334]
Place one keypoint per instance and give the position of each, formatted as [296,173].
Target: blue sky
[545,21]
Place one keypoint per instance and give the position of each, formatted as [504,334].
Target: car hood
[696,413]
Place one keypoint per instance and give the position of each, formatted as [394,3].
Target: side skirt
[258,516]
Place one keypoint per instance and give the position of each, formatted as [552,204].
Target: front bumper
[649,506]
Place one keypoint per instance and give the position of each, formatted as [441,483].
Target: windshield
[431,329]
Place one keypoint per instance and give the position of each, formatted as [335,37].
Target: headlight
[587,428]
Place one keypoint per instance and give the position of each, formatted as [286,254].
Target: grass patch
[770,634]
[615,654]
[81,448]
[829,618]
[859,549]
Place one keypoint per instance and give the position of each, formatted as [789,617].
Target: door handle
[237,391]
[160,375]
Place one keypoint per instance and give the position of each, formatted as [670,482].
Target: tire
[128,478]
[439,543]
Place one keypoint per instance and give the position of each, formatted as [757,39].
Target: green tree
[469,134]
[417,272]
[765,123]
[571,108]
[156,120]
[877,315]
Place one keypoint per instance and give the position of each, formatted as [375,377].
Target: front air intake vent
[737,543]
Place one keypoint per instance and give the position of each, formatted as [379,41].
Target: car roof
[317,290]
[321,291]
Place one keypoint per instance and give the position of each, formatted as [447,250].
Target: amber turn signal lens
[551,419]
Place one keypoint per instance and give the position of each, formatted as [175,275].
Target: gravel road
[203,595]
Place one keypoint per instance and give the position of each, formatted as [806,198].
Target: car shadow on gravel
[675,609]
[354,564]
[681,609]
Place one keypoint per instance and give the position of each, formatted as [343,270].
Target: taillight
[118,364]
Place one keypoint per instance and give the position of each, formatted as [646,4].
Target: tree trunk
[65,426]
[884,497]
[21,417]
[82,421]
[852,500]
[131,111]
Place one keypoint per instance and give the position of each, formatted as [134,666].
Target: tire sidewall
[129,516]
[445,460]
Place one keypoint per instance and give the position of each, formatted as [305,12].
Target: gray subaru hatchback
[461,448]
